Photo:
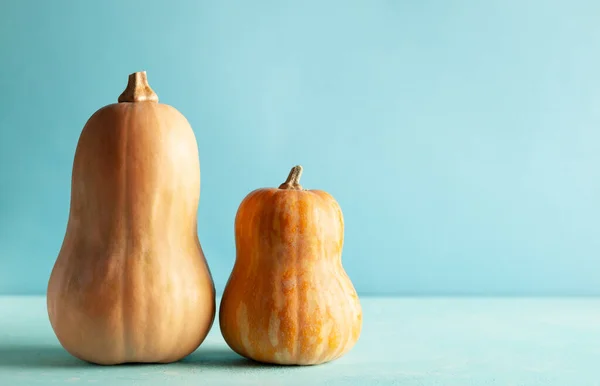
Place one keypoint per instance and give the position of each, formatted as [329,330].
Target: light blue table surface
[405,341]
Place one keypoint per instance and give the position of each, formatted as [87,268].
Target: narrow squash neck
[138,89]
[293,180]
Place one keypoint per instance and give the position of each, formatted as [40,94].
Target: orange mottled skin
[288,299]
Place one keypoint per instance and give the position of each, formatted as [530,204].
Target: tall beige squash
[131,283]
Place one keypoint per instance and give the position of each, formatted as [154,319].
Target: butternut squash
[131,283]
[289,300]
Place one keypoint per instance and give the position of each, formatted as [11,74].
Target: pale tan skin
[131,283]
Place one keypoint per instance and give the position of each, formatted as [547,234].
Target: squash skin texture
[288,300]
[131,283]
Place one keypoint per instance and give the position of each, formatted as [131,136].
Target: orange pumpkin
[288,299]
[131,283]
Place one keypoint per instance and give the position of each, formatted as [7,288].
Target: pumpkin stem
[138,89]
[293,180]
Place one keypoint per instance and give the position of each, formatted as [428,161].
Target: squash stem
[138,89]
[293,180]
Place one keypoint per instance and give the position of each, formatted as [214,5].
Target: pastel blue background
[461,138]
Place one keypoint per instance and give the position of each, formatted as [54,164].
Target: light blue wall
[461,138]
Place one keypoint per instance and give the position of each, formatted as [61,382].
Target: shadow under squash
[57,357]
[38,356]
[221,357]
